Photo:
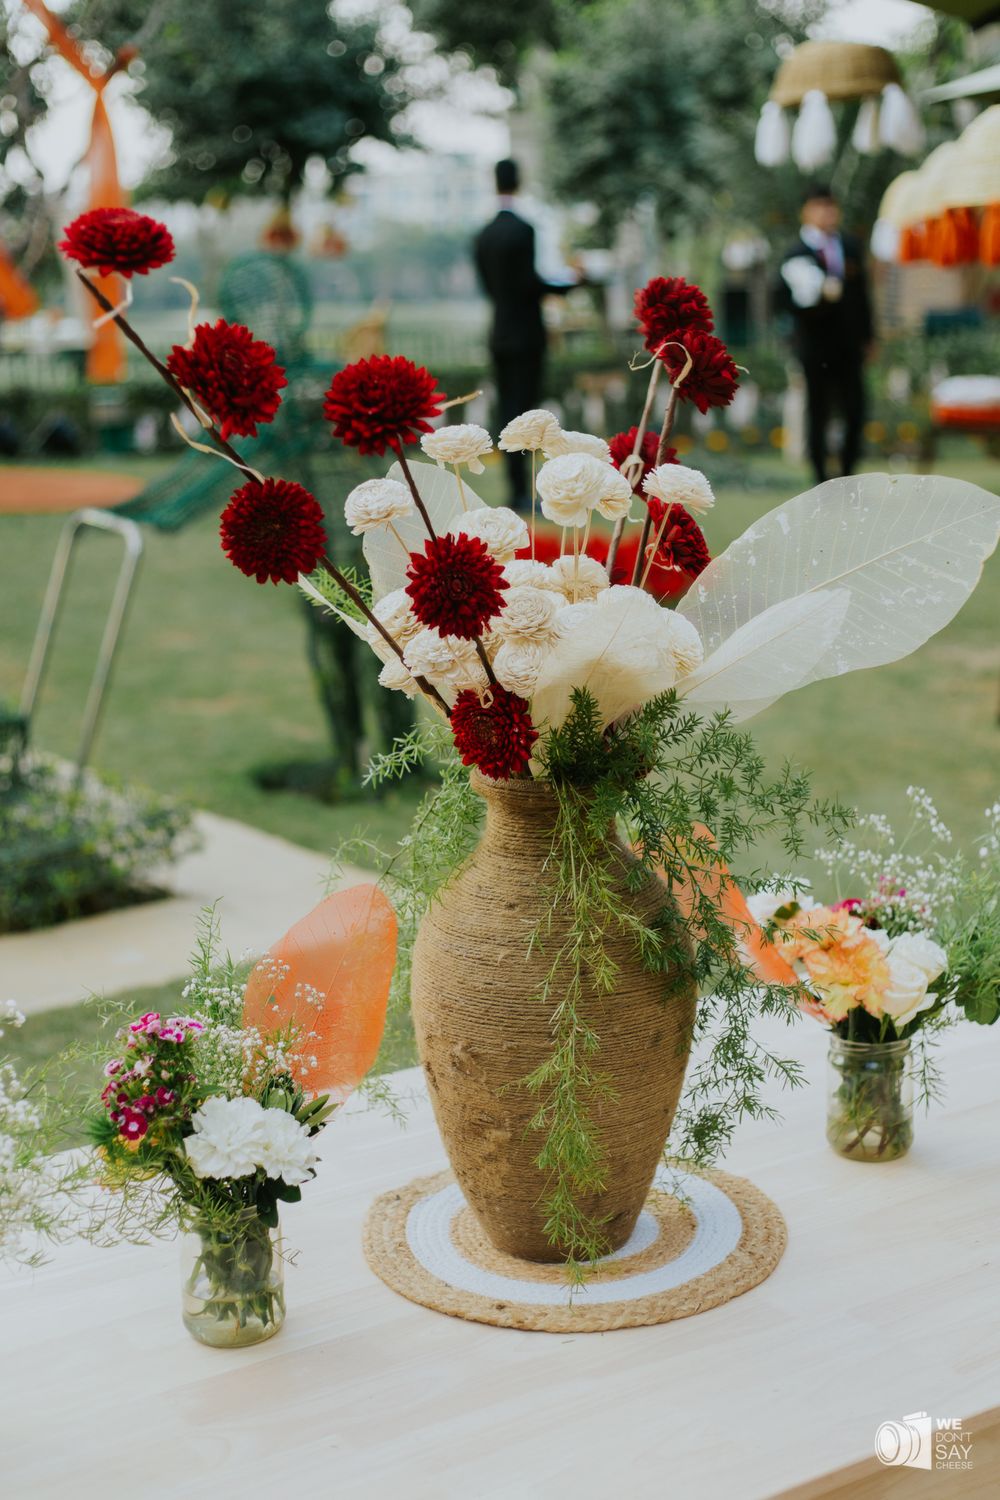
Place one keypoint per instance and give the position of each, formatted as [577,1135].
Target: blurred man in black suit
[505,260]
[826,291]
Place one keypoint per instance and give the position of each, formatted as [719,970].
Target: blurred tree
[492,35]
[251,93]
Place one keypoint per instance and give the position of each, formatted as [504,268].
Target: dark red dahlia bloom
[668,307]
[234,376]
[621,446]
[117,239]
[273,531]
[455,585]
[381,402]
[495,733]
[682,547]
[713,377]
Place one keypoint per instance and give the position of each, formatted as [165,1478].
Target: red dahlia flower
[234,376]
[668,307]
[682,546]
[713,377]
[117,239]
[621,446]
[273,531]
[496,733]
[456,585]
[381,402]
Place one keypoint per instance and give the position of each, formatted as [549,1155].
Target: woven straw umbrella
[812,75]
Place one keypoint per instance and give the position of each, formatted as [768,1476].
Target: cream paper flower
[517,665]
[528,615]
[571,487]
[503,531]
[619,647]
[591,579]
[445,660]
[685,642]
[459,443]
[558,443]
[286,1148]
[395,612]
[616,499]
[538,575]
[922,952]
[675,484]
[394,675]
[528,432]
[228,1137]
[375,502]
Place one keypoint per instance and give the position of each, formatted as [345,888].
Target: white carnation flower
[591,579]
[517,665]
[676,484]
[459,443]
[922,952]
[523,570]
[395,612]
[395,676]
[286,1148]
[227,1139]
[528,432]
[503,531]
[528,614]
[375,502]
[571,487]
[445,660]
[558,443]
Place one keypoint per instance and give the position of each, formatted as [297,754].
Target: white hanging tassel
[770,144]
[900,127]
[885,240]
[814,137]
[865,137]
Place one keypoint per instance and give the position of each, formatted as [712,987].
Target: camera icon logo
[906,1442]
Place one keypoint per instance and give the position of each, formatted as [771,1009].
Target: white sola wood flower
[375,503]
[459,443]
[571,487]
[394,675]
[675,484]
[583,577]
[528,614]
[558,443]
[445,660]
[517,665]
[395,612]
[528,432]
[503,531]
[536,574]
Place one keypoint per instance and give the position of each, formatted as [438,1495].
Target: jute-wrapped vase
[482,1028]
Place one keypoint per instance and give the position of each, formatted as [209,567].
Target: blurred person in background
[506,260]
[825,288]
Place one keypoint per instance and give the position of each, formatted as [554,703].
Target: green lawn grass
[212,681]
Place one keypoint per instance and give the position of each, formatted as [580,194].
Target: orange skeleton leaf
[345,949]
[718,885]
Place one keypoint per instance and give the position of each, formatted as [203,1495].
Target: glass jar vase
[232,1282]
[869,1113]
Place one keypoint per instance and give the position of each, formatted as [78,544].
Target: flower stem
[640,433]
[661,448]
[534,494]
[417,500]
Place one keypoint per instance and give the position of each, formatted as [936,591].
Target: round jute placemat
[701,1240]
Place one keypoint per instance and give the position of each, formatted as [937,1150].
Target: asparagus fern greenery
[664,777]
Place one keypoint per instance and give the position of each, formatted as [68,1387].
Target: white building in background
[431,189]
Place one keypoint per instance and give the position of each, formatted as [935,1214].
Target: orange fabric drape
[106,357]
[953,239]
[17,298]
[989,236]
[911,244]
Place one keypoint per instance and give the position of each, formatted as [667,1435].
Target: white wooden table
[887,1302]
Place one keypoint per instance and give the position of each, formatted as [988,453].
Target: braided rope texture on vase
[482,1027]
